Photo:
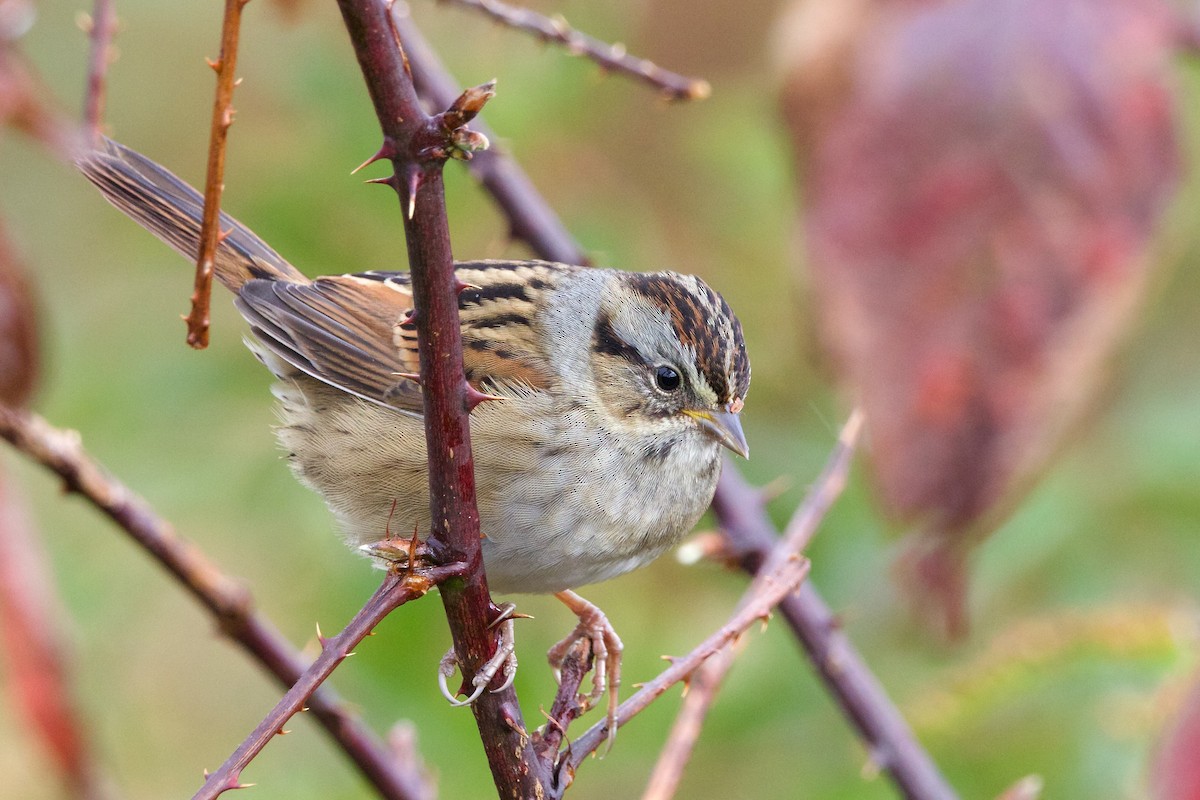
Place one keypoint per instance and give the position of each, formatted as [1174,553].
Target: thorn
[474,397]
[390,180]
[414,183]
[282,732]
[387,526]
[237,82]
[461,286]
[413,543]
[214,64]
[386,150]
[409,376]
[235,782]
[321,637]
[223,235]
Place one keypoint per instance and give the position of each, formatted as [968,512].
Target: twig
[397,589]
[765,597]
[783,572]
[677,751]
[612,57]
[702,690]
[889,740]
[103,25]
[214,179]
[20,364]
[61,452]
[23,105]
[417,145]
[529,216]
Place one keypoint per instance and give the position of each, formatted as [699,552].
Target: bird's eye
[666,379]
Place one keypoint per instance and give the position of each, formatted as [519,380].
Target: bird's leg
[606,651]
[504,659]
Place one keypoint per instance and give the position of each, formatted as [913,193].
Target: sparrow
[618,392]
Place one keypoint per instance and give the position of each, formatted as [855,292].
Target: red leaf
[980,208]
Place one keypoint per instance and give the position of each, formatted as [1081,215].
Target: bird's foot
[606,653]
[505,659]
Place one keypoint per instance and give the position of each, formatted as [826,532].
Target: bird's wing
[353,332]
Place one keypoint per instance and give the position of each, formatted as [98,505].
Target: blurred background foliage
[1083,637]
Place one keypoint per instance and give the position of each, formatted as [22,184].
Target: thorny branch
[102,25]
[529,217]
[702,690]
[397,589]
[417,144]
[214,179]
[62,453]
[611,57]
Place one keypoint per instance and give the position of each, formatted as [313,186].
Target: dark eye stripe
[605,340]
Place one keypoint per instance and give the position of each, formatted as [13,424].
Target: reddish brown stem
[529,217]
[416,143]
[611,57]
[396,590]
[25,106]
[61,452]
[565,708]
[214,179]
[103,26]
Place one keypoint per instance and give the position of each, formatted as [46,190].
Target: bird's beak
[724,426]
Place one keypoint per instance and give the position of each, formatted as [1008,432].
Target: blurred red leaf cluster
[983,179]
[32,651]
[1175,774]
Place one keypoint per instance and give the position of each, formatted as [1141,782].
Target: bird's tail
[171,210]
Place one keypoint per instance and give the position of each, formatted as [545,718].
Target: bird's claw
[505,658]
[606,653]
